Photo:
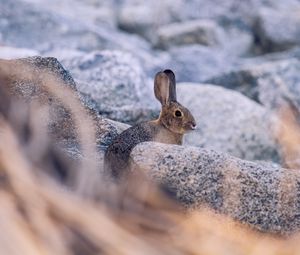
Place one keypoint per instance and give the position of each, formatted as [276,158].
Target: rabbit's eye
[178,113]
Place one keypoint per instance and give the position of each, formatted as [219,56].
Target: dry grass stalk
[288,135]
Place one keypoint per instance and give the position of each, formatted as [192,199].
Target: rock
[143,18]
[117,84]
[277,90]
[240,14]
[266,198]
[231,40]
[146,18]
[138,20]
[107,130]
[12,53]
[97,13]
[62,127]
[229,122]
[266,83]
[162,23]
[133,13]
[31,89]
[52,66]
[272,57]
[277,31]
[231,12]
[199,63]
[237,42]
[149,59]
[220,11]
[28,25]
[203,32]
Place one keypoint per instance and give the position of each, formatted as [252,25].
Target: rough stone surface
[178,10]
[198,63]
[60,121]
[26,25]
[117,84]
[293,53]
[259,19]
[51,65]
[229,122]
[31,25]
[278,30]
[203,32]
[101,13]
[267,198]
[268,83]
[237,42]
[61,124]
[106,131]
[277,90]
[231,40]
[162,23]
[137,19]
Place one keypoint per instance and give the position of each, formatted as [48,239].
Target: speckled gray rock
[150,20]
[278,30]
[100,13]
[52,66]
[198,63]
[106,131]
[231,40]
[238,13]
[267,198]
[267,83]
[179,10]
[143,18]
[205,32]
[61,124]
[275,91]
[60,121]
[26,25]
[229,122]
[137,19]
[33,24]
[167,11]
[293,53]
[254,27]
[237,42]
[117,84]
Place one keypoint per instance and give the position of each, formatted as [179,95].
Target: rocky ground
[237,63]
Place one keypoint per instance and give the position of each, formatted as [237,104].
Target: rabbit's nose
[193,126]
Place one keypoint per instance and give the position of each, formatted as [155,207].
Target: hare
[173,122]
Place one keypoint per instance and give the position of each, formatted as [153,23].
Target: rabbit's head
[173,115]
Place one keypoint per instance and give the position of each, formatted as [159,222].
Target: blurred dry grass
[288,134]
[88,215]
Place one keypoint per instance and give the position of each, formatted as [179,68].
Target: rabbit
[173,122]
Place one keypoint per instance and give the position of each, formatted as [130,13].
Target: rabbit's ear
[162,88]
[172,92]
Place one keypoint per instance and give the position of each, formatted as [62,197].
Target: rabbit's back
[117,155]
